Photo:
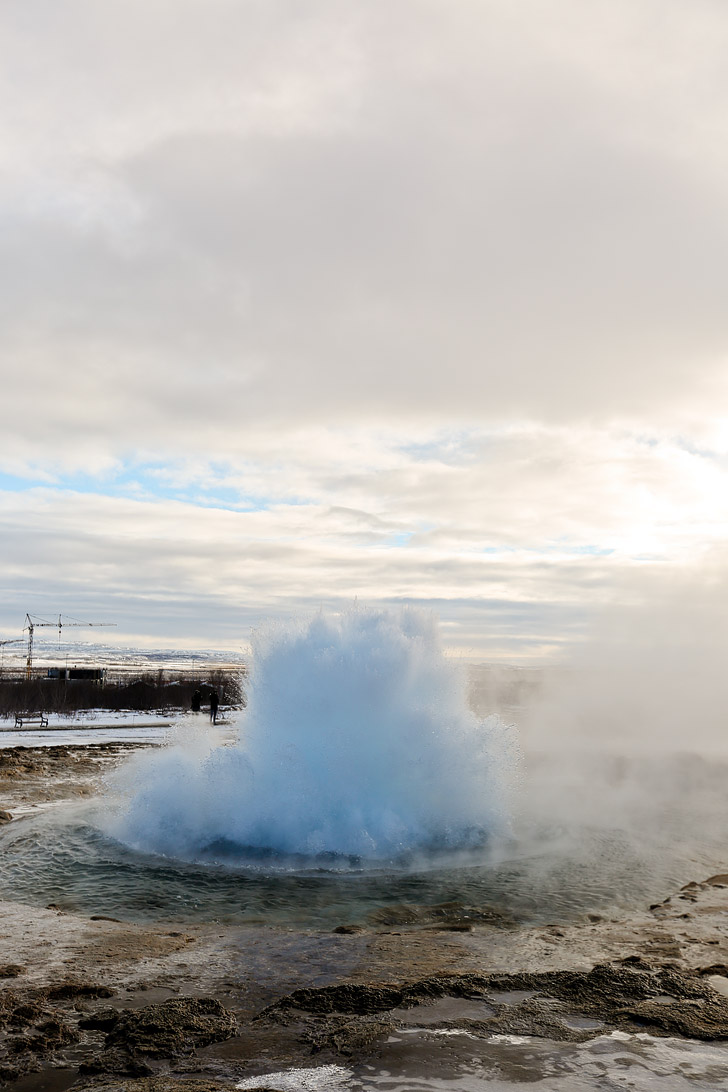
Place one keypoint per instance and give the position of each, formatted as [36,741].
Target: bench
[31,718]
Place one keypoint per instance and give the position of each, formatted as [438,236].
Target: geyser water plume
[357,741]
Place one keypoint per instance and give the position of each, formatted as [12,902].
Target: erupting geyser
[357,740]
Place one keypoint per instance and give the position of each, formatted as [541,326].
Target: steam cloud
[357,741]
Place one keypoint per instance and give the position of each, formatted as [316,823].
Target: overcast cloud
[416,301]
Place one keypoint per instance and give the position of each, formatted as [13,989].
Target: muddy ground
[93,1003]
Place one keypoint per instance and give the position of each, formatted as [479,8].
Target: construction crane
[32,625]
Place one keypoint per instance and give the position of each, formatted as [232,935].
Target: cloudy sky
[417,301]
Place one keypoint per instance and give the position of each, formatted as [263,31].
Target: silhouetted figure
[196,701]
[214,702]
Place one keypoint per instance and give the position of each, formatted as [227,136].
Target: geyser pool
[357,743]
[360,780]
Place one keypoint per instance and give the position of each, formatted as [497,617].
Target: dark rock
[715,968]
[116,1061]
[348,1037]
[11,970]
[707,1020]
[619,996]
[173,1027]
[168,1030]
[103,1020]
[51,1035]
[362,1000]
[445,927]
[635,961]
[26,1013]
[5,816]
[168,1083]
[31,1007]
[70,990]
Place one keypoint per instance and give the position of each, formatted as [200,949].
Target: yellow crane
[31,624]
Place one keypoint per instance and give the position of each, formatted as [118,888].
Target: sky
[312,304]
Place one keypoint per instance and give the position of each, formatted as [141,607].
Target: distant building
[78,674]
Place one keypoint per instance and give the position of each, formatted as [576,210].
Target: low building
[78,674]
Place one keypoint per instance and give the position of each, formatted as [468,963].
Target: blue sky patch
[149,481]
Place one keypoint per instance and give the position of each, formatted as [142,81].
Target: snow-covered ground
[108,726]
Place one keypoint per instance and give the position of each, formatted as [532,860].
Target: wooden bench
[31,718]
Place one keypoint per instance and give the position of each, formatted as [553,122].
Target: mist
[625,747]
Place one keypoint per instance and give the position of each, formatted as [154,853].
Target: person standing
[214,702]
[196,701]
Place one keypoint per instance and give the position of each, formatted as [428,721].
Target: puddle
[581,1023]
[511,997]
[444,1011]
[719,984]
[47,1080]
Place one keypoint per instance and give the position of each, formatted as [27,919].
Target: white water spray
[357,741]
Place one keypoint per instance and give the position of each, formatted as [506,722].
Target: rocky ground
[106,1005]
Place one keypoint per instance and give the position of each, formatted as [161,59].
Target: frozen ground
[106,726]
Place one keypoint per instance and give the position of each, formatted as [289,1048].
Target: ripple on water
[462,1063]
[64,857]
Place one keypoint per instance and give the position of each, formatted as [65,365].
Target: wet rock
[361,1000]
[349,929]
[12,1070]
[67,991]
[52,1034]
[348,1037]
[706,1018]
[162,1084]
[446,927]
[18,1013]
[11,970]
[20,1008]
[715,968]
[103,1020]
[116,1060]
[531,1017]
[168,1030]
[5,816]
[630,996]
[636,961]
[38,1022]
